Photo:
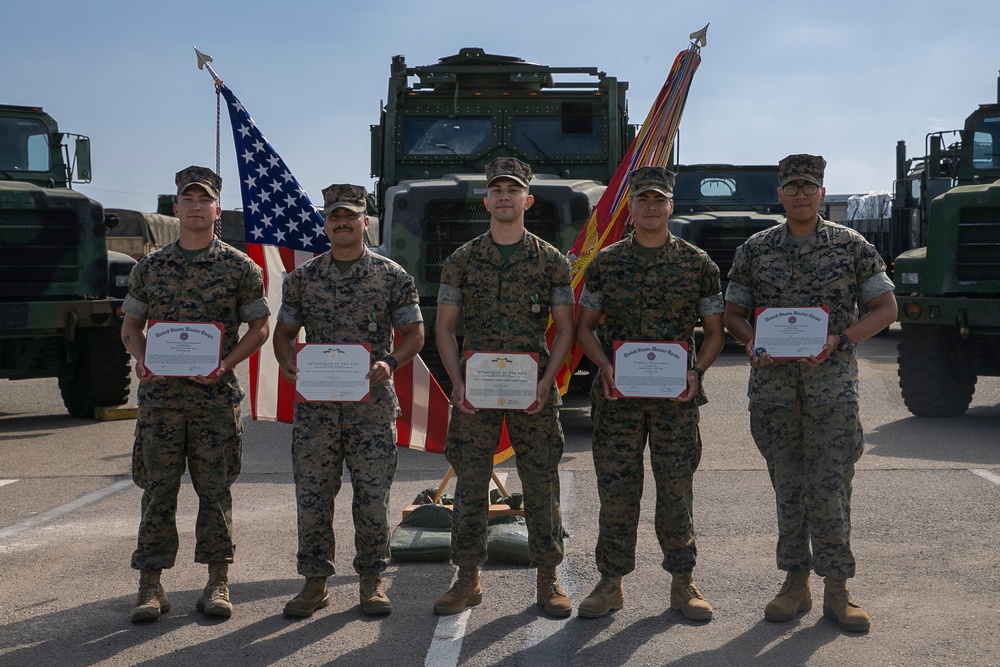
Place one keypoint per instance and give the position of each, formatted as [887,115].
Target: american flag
[283,229]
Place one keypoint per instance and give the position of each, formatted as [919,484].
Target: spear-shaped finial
[204,59]
[700,37]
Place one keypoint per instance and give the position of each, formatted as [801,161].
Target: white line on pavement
[986,474]
[446,647]
[62,510]
[5,482]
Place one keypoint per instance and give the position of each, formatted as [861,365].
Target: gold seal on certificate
[650,369]
[501,380]
[183,349]
[332,372]
[791,333]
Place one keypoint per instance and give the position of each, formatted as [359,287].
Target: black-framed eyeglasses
[791,189]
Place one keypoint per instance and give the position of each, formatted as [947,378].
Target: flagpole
[203,63]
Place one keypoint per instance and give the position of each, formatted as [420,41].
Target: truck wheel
[935,377]
[99,374]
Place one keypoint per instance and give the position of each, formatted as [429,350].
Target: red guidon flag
[651,147]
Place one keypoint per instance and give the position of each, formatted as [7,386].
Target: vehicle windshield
[986,143]
[734,187]
[545,136]
[441,135]
[24,145]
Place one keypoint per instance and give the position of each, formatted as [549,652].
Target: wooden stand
[495,510]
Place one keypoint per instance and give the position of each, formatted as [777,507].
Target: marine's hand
[832,343]
[143,375]
[757,358]
[608,382]
[380,372]
[213,377]
[692,388]
[289,371]
[458,399]
[541,398]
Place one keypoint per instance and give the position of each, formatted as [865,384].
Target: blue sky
[843,79]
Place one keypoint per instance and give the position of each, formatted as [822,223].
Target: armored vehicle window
[738,187]
[718,187]
[542,136]
[986,144]
[441,135]
[24,145]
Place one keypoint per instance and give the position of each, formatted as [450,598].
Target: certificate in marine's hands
[501,380]
[650,369]
[791,333]
[183,349]
[332,372]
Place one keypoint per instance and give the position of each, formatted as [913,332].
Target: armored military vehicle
[719,206]
[60,287]
[441,124]
[946,223]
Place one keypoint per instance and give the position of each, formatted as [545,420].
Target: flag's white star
[257,232]
[293,226]
[306,240]
[287,176]
[238,106]
[278,210]
[279,235]
[250,181]
[261,170]
[305,216]
[264,196]
[258,146]
[254,207]
[290,201]
[273,160]
[266,220]
[247,156]
[275,186]
[245,131]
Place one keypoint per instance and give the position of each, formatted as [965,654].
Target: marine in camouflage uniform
[650,286]
[506,283]
[804,413]
[191,422]
[346,295]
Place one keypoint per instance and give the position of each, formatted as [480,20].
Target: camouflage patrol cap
[657,179]
[352,197]
[508,167]
[202,176]
[801,166]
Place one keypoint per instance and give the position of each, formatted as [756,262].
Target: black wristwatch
[701,373]
[845,342]
[391,360]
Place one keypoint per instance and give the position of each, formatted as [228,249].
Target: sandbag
[424,535]
[507,539]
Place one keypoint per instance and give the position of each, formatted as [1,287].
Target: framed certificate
[333,372]
[501,380]
[791,333]
[183,349]
[650,369]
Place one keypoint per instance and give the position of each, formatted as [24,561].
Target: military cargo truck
[946,217]
[60,287]
[719,206]
[441,124]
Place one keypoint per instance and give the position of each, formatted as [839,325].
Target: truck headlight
[909,278]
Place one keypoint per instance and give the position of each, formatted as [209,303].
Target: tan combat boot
[151,602]
[685,598]
[373,598]
[313,596]
[608,595]
[839,606]
[551,595]
[465,592]
[795,596]
[214,600]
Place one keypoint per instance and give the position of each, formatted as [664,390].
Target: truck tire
[935,377]
[99,374]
